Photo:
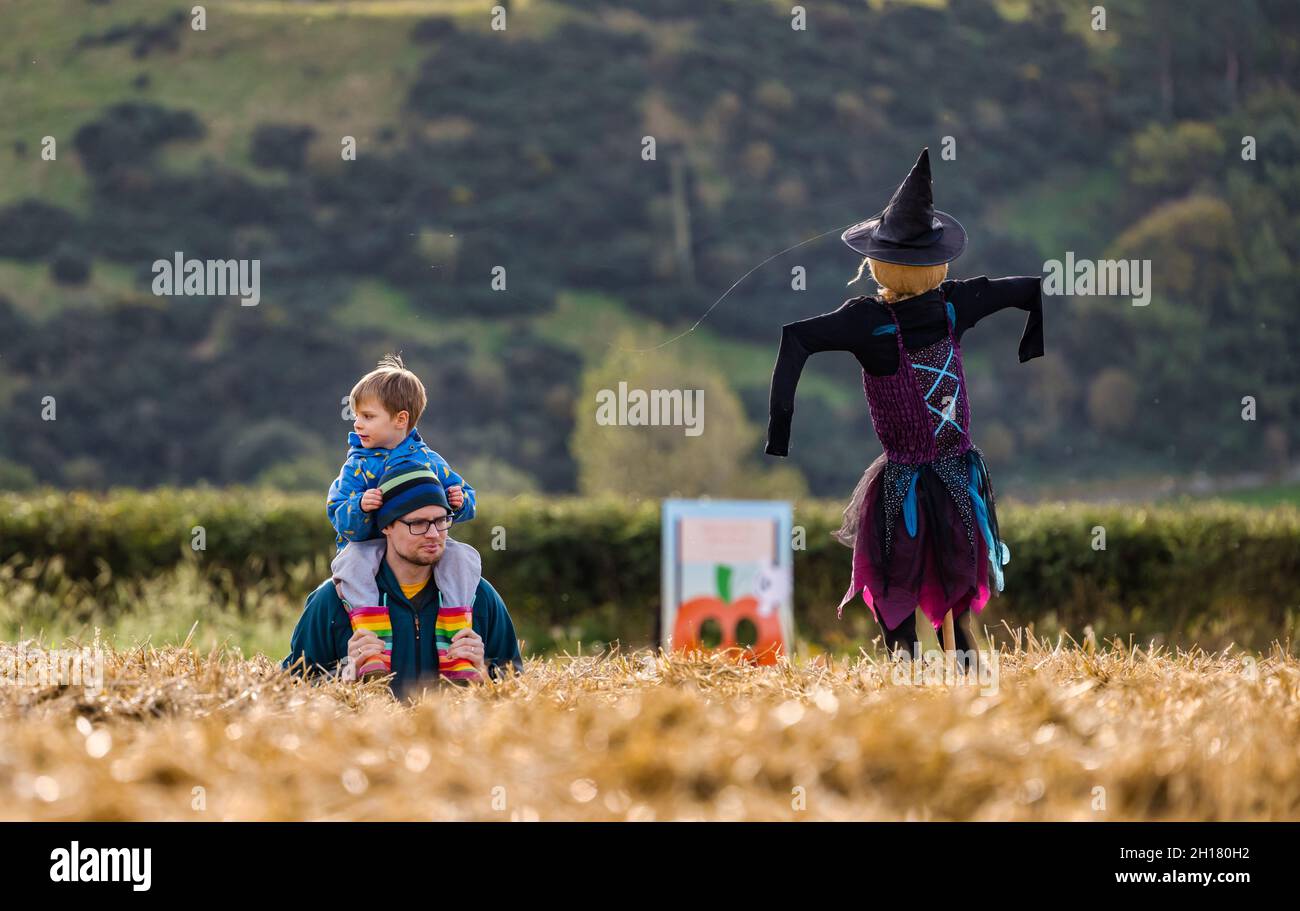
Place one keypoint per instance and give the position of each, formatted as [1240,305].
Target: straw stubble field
[1068,732]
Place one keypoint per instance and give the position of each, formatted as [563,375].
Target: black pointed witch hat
[910,231]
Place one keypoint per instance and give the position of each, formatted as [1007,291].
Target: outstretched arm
[845,329]
[976,298]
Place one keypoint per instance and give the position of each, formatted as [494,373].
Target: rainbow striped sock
[452,620]
[376,620]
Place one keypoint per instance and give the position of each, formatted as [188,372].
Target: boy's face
[377,428]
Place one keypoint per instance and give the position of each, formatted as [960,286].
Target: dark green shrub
[589,569]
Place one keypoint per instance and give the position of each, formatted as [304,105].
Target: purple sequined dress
[933,478]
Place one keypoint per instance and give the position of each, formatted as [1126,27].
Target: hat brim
[950,245]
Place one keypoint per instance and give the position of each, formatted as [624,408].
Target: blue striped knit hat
[406,488]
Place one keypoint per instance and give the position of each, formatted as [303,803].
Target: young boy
[387,402]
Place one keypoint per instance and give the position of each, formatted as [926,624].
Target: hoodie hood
[456,574]
[410,447]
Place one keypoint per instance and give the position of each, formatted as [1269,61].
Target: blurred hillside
[522,149]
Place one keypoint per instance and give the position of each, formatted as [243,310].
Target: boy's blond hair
[392,386]
[899,282]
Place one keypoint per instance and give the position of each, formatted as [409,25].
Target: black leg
[902,637]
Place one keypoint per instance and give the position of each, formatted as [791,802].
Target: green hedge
[589,569]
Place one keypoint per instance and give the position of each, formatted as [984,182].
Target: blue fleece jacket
[322,633]
[362,471]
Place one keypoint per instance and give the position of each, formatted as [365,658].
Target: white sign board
[727,573]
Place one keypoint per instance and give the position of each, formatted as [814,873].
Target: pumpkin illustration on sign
[716,623]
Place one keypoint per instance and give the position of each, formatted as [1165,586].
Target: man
[413,564]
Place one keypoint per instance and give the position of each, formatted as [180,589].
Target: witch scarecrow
[922,521]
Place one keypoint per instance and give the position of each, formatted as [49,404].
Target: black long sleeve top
[923,320]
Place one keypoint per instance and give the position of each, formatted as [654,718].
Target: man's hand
[371,500]
[364,645]
[469,645]
[455,496]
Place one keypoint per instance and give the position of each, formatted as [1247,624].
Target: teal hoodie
[322,634]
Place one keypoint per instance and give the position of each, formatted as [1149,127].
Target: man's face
[421,549]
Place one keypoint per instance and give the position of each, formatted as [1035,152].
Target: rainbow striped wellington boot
[376,620]
[452,620]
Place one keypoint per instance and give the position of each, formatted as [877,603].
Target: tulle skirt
[923,535]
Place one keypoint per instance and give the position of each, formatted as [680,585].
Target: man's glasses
[421,526]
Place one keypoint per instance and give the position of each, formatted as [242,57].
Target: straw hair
[394,387]
[897,282]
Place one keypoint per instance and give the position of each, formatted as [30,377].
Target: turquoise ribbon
[909,504]
[999,553]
